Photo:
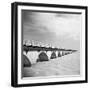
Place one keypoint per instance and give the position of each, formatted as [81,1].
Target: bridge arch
[53,55]
[42,56]
[26,62]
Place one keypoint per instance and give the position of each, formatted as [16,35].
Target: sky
[58,29]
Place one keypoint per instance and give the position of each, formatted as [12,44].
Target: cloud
[52,27]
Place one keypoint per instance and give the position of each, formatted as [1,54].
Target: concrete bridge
[43,53]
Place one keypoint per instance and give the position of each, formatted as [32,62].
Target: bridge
[37,53]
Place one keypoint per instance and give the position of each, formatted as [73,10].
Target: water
[66,65]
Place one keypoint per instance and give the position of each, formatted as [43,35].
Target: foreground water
[65,65]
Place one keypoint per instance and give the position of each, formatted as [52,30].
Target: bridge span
[39,53]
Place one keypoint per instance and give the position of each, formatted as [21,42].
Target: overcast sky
[58,29]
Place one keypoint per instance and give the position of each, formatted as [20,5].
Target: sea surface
[65,65]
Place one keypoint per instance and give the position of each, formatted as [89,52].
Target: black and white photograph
[51,44]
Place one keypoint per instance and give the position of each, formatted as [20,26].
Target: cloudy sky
[59,29]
